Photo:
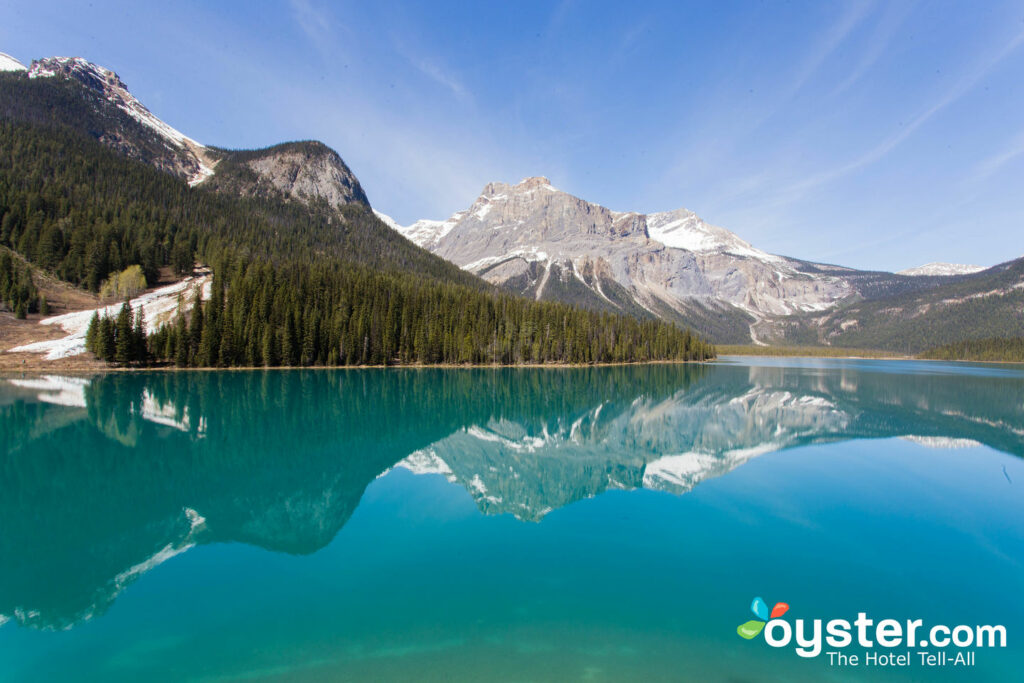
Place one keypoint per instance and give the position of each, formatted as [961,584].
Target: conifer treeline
[83,212]
[1005,349]
[294,285]
[261,315]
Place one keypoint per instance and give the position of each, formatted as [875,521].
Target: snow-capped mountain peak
[536,240]
[9,63]
[424,232]
[107,83]
[943,269]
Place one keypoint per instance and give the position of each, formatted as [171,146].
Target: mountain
[535,240]
[942,269]
[538,241]
[106,109]
[300,171]
[986,304]
[151,140]
[304,273]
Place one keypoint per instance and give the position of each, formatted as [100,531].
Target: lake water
[520,525]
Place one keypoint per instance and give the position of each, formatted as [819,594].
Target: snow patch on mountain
[9,63]
[424,233]
[160,307]
[113,88]
[942,269]
[683,229]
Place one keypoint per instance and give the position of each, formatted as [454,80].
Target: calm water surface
[522,525]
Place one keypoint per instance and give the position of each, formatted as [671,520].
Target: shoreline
[84,366]
[42,368]
[904,358]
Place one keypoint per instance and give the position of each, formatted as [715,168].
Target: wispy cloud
[560,14]
[711,149]
[315,22]
[961,88]
[630,38]
[988,167]
[441,76]
[880,38]
[831,40]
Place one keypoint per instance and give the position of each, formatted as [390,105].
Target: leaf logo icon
[750,629]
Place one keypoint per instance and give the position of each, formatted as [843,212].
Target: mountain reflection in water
[105,478]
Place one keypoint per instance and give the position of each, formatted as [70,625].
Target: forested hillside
[993,349]
[295,283]
[981,305]
[72,103]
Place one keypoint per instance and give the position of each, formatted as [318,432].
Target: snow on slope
[9,63]
[160,306]
[683,229]
[942,269]
[425,233]
[117,92]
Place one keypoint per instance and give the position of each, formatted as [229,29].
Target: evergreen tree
[181,340]
[124,349]
[92,332]
[138,340]
[105,339]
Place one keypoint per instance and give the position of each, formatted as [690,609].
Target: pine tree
[270,355]
[124,349]
[105,339]
[92,332]
[139,351]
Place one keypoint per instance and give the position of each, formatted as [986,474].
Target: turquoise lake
[598,524]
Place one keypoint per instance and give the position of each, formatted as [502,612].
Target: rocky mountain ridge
[303,171]
[538,241]
[535,240]
[186,157]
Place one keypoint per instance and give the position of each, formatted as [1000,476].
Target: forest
[293,284]
[17,290]
[1006,349]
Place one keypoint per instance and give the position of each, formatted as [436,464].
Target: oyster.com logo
[882,642]
[752,628]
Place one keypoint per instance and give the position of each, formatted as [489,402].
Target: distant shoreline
[808,352]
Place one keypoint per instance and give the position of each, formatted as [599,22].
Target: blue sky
[876,135]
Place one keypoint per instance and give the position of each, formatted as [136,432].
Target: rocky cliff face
[536,240]
[302,171]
